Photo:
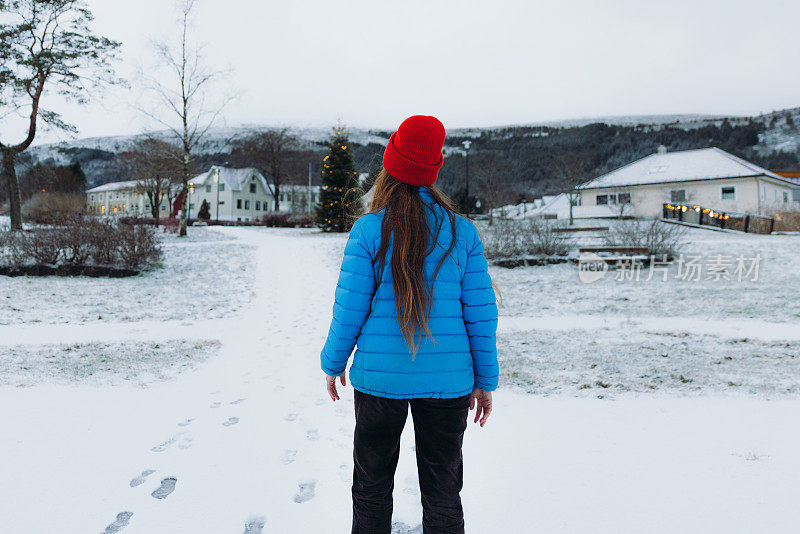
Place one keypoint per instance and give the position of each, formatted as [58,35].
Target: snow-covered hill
[96,154]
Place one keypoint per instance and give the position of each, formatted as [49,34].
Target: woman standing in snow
[415,296]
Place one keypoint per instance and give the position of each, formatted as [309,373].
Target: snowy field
[190,399]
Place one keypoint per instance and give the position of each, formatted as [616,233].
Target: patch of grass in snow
[605,363]
[136,363]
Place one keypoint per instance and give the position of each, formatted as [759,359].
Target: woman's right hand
[483,400]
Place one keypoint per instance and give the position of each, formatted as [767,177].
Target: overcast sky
[482,63]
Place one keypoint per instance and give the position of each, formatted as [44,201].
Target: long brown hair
[406,224]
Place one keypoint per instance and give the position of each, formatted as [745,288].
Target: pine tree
[205,211]
[340,202]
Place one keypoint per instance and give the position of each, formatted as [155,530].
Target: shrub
[138,246]
[48,208]
[526,237]
[75,240]
[11,252]
[300,220]
[42,245]
[659,238]
[102,241]
[81,244]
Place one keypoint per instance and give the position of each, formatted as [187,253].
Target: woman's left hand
[331,382]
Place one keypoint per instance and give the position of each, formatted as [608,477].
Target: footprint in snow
[167,487]
[123,518]
[290,417]
[411,485]
[186,422]
[185,442]
[230,421]
[313,434]
[305,491]
[279,388]
[164,445]
[216,404]
[254,525]
[288,456]
[238,401]
[137,481]
[402,528]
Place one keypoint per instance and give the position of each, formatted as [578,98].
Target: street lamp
[216,181]
[466,144]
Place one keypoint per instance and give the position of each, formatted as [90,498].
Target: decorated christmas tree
[340,202]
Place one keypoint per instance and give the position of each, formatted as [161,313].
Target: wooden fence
[744,222]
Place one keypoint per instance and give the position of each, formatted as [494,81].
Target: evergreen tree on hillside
[339,202]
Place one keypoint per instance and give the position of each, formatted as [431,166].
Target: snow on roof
[113,186]
[685,165]
[236,179]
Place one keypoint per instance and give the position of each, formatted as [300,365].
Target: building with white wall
[123,198]
[232,194]
[707,177]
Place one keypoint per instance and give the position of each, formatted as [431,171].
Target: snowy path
[250,443]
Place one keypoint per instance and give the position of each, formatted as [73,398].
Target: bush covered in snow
[511,238]
[78,242]
[657,237]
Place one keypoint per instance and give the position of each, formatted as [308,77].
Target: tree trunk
[184,193]
[571,220]
[277,188]
[14,200]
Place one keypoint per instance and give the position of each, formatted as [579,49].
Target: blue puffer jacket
[462,320]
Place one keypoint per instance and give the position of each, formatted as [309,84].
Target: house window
[91,197]
[677,195]
[602,200]
[222,186]
[208,189]
[221,202]
[238,203]
[786,196]
[247,204]
[624,198]
[265,205]
[252,188]
[163,207]
[728,192]
[258,205]
[191,205]
[101,196]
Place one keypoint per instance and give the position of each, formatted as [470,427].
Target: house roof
[235,179]
[113,186]
[682,166]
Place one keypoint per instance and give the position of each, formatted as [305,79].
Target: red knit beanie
[414,152]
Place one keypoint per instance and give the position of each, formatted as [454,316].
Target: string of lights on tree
[339,201]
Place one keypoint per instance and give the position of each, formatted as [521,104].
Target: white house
[708,177]
[295,198]
[122,198]
[232,194]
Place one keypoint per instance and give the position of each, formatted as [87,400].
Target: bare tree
[156,166]
[569,169]
[269,151]
[46,45]
[181,91]
[490,189]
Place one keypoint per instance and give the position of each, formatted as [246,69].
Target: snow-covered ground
[242,438]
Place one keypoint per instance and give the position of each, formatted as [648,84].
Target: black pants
[439,426]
